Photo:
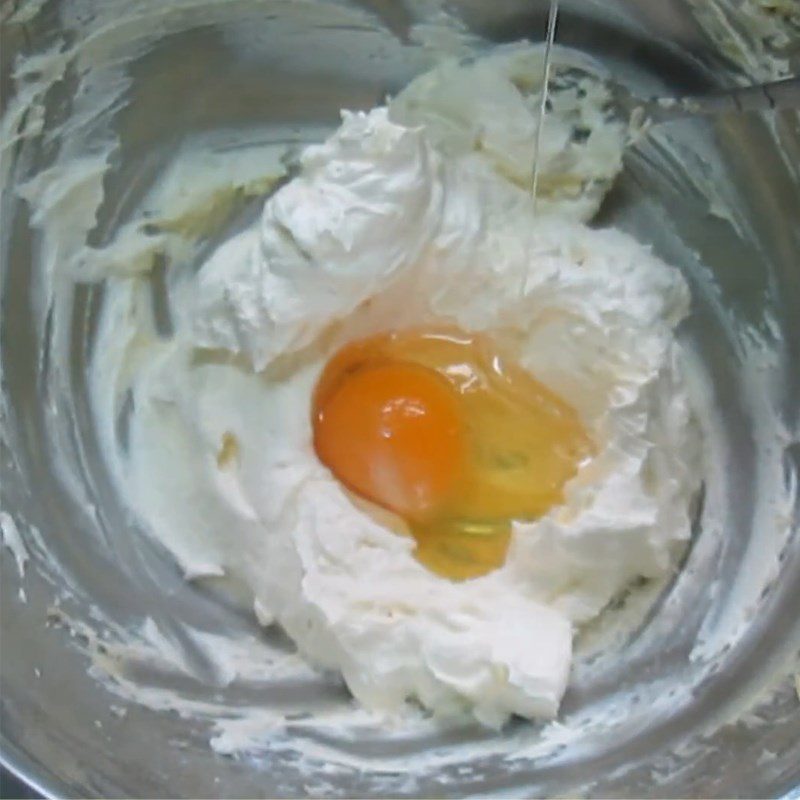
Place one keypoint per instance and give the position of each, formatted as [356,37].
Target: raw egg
[439,428]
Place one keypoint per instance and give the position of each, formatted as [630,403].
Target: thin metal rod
[763,97]
[552,17]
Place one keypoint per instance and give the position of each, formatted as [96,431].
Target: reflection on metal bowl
[88,699]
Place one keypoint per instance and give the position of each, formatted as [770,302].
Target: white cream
[490,107]
[388,226]
[363,207]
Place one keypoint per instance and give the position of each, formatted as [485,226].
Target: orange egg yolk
[437,427]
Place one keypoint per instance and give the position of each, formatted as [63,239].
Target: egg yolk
[436,426]
[393,434]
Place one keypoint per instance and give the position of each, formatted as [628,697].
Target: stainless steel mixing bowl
[730,727]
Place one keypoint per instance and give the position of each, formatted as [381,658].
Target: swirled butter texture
[413,215]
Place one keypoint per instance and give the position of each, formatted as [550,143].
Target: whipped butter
[401,219]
